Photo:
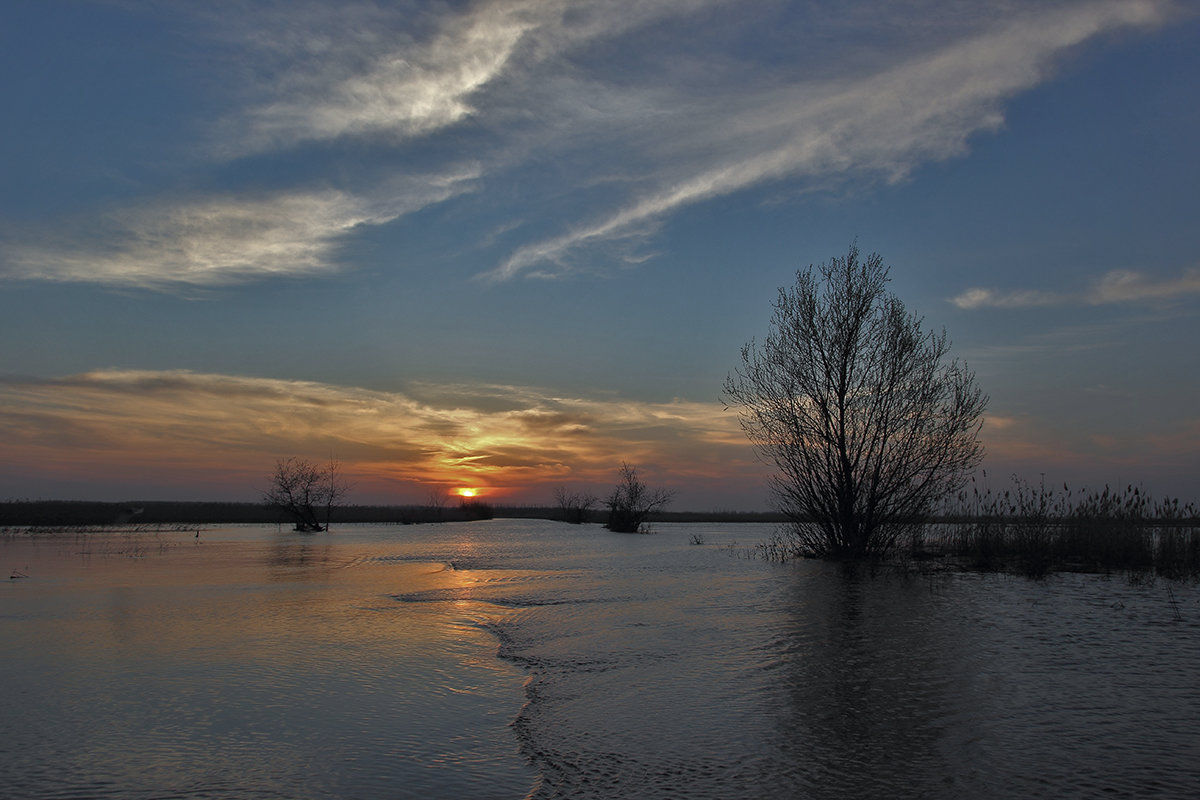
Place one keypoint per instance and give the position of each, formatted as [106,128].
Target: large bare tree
[867,421]
[304,491]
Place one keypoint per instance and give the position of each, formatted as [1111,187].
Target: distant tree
[631,502]
[575,507]
[435,504]
[303,490]
[867,423]
[337,488]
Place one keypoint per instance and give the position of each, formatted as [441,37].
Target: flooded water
[528,659]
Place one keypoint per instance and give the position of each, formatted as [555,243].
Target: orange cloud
[222,434]
[507,438]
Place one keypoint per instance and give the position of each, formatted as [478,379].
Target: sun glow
[466,492]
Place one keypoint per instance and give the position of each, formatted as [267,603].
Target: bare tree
[867,423]
[631,502]
[575,507]
[435,504]
[300,487]
[336,488]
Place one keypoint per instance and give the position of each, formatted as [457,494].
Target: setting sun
[465,492]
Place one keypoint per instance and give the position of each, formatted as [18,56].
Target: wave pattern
[663,670]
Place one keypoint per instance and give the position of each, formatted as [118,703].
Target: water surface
[514,659]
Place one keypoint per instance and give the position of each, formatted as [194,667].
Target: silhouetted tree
[300,487]
[857,407]
[631,502]
[435,504]
[575,507]
[337,488]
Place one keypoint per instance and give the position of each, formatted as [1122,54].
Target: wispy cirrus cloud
[1117,286]
[923,108]
[210,241]
[346,81]
[200,243]
[401,73]
[659,103]
[316,73]
[503,437]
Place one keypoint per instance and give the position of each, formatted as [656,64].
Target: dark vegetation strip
[1037,530]
[159,513]
[149,514]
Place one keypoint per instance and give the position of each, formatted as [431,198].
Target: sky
[511,245]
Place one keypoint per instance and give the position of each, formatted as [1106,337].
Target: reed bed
[1036,530]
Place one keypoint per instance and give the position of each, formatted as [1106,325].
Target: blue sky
[511,244]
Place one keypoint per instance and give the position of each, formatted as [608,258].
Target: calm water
[515,659]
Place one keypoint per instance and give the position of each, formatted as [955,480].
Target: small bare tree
[435,504]
[857,407]
[575,507]
[631,502]
[336,488]
[300,487]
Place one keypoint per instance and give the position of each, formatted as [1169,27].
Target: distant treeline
[158,513]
